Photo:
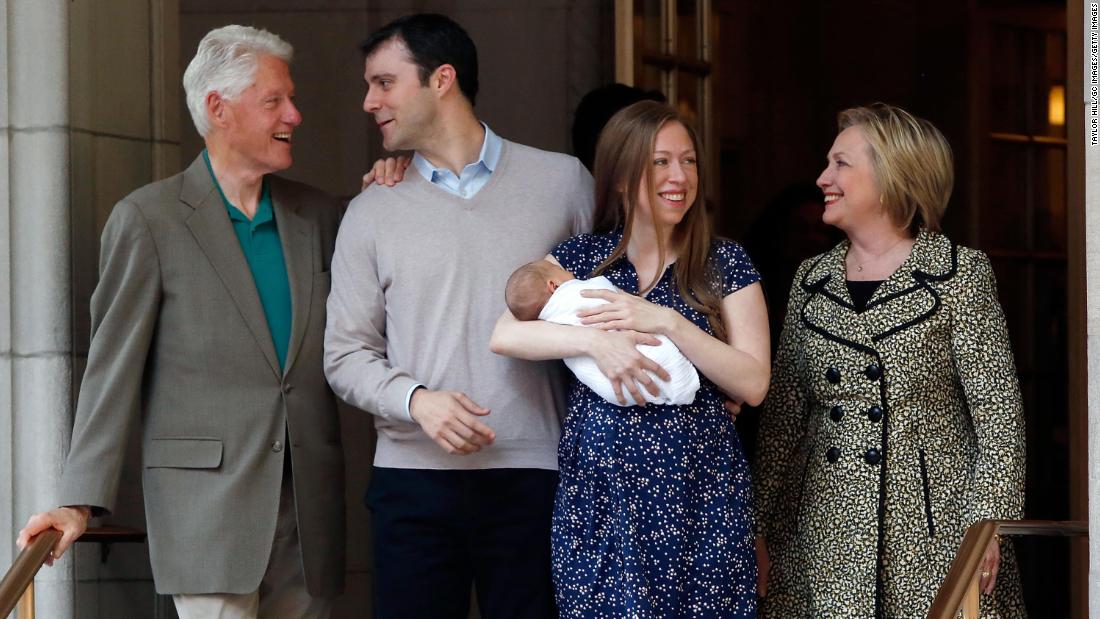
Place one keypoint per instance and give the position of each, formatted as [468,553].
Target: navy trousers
[436,532]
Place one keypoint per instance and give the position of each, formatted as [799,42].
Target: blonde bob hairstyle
[912,163]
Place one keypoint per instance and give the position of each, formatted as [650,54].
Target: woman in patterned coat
[894,418]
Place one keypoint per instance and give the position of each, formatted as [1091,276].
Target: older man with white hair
[207,326]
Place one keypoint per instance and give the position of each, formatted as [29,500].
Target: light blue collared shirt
[466,185]
[473,177]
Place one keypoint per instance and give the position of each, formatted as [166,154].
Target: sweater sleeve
[356,364]
[584,199]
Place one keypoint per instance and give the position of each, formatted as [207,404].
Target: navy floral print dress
[653,514]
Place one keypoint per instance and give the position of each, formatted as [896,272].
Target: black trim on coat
[830,295]
[880,585]
[923,276]
[880,569]
[818,287]
[922,279]
[927,493]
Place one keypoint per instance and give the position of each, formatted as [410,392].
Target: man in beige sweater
[465,471]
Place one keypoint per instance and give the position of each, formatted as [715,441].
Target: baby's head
[530,287]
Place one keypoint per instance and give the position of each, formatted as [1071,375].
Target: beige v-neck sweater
[417,285]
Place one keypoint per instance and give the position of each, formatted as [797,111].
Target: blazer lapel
[909,296]
[296,235]
[210,225]
[828,309]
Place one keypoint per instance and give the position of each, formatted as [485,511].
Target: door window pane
[1004,209]
[1008,93]
[687,29]
[689,96]
[649,34]
[1050,199]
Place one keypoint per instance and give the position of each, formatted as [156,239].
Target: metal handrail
[23,570]
[18,584]
[959,591]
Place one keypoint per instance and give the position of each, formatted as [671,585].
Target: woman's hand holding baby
[627,312]
[617,356]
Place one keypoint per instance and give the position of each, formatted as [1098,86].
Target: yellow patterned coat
[886,434]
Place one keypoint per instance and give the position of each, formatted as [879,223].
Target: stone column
[36,336]
[124,116]
[89,93]
[7,456]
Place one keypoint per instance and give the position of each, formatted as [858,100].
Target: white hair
[226,63]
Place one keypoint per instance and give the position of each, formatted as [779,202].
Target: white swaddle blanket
[683,380]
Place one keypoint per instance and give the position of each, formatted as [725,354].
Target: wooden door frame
[626,60]
[1076,308]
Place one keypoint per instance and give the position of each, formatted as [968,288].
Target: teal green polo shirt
[259,238]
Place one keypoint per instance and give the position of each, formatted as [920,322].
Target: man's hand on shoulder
[451,420]
[388,171]
[71,521]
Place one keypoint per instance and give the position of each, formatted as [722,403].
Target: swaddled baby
[542,290]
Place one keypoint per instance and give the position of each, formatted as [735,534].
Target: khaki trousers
[282,593]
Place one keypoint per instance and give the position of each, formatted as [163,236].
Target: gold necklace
[859,266]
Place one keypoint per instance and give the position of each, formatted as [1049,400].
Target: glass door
[665,45]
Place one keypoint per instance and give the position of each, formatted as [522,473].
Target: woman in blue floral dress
[653,515]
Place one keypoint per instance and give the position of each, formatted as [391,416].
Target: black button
[873,371]
[287,388]
[874,414]
[833,454]
[872,456]
[832,375]
[837,413]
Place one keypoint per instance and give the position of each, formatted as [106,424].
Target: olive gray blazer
[180,343]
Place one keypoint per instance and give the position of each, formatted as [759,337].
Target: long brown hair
[624,157]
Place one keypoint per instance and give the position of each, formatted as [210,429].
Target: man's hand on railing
[991,563]
[71,521]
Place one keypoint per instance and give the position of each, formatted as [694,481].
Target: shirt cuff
[408,400]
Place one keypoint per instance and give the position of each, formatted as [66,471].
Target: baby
[542,290]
